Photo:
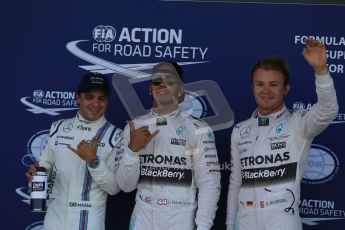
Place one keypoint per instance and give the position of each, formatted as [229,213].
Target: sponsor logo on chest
[176,141]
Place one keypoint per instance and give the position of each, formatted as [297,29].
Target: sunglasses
[167,79]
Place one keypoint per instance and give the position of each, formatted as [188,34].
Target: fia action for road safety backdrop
[46,48]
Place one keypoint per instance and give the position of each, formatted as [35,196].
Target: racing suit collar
[81,120]
[272,116]
[171,115]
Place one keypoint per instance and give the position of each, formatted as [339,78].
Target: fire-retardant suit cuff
[130,156]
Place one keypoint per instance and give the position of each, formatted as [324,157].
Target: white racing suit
[79,193]
[176,174]
[269,160]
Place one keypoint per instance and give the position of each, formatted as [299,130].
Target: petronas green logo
[161,121]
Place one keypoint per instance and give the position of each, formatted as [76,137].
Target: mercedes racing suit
[269,157]
[79,193]
[176,174]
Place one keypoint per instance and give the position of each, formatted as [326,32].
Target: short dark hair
[275,62]
[178,68]
[173,63]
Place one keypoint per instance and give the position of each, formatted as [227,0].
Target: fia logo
[38,93]
[298,106]
[104,33]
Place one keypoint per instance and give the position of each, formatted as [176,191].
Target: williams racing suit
[269,157]
[176,174]
[79,193]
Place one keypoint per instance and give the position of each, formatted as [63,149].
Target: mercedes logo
[67,128]
[245,132]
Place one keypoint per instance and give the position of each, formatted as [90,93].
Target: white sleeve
[324,111]
[206,175]
[235,182]
[128,172]
[105,173]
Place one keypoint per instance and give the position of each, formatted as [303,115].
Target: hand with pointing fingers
[140,137]
[86,151]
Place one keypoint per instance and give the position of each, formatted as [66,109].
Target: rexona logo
[315,211]
[306,106]
[322,165]
[50,102]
